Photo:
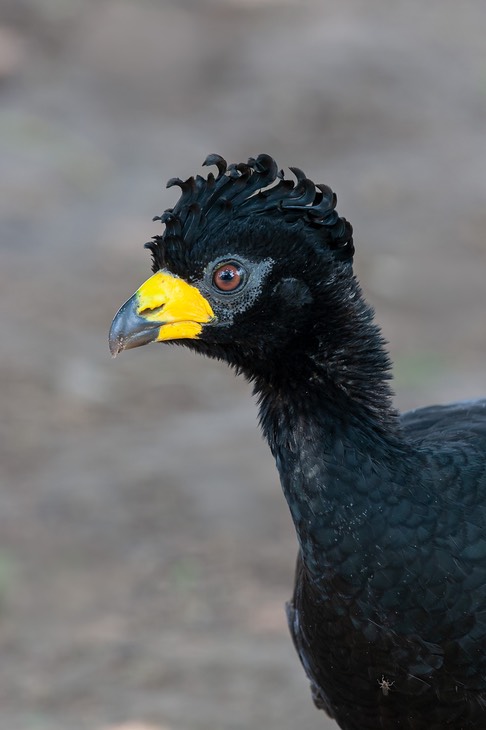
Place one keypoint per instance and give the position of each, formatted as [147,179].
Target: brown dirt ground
[145,548]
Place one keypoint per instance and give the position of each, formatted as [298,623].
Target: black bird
[389,610]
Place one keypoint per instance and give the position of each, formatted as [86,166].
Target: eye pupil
[228,277]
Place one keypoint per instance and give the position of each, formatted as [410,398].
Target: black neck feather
[327,415]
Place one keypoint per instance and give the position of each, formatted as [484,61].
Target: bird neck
[328,419]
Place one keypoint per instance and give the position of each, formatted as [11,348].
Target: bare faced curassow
[388,614]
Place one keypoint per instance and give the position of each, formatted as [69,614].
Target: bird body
[391,625]
[388,614]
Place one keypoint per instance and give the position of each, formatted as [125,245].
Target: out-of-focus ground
[145,547]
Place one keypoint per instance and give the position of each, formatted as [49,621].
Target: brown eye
[228,277]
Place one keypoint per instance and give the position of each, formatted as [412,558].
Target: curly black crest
[242,189]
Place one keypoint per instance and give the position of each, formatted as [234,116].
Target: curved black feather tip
[256,187]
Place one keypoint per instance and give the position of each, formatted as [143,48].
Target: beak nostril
[147,311]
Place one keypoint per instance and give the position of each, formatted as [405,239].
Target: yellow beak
[164,308]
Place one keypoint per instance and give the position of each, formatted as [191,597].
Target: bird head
[246,269]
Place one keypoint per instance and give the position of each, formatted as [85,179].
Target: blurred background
[145,548]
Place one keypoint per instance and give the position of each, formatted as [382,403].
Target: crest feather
[257,187]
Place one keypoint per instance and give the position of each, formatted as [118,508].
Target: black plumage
[389,610]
